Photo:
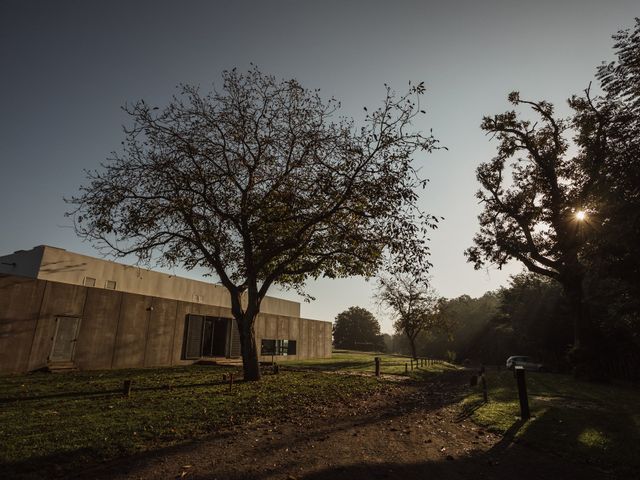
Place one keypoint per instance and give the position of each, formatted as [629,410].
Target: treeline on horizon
[529,317]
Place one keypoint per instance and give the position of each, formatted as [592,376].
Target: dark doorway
[206,337]
[220,334]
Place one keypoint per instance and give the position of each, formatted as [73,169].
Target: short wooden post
[522,393]
[412,364]
[406,368]
[230,382]
[126,388]
[483,380]
[377,360]
[276,368]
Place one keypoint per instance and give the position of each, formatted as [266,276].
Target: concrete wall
[121,330]
[58,265]
[313,337]
[24,263]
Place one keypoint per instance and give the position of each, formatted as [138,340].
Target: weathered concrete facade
[43,322]
[58,265]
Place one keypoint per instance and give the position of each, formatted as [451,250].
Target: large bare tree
[261,183]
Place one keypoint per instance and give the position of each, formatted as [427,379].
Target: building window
[277,347]
[268,347]
[110,284]
[89,282]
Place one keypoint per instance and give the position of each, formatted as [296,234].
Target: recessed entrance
[206,337]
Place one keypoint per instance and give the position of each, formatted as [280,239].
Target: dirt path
[409,432]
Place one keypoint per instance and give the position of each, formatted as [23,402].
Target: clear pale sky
[67,67]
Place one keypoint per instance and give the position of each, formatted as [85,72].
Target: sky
[67,67]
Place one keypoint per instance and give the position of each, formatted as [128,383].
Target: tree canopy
[561,195]
[261,182]
[357,329]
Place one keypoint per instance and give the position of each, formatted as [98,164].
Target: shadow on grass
[90,462]
[607,439]
[112,392]
[330,366]
[468,410]
[505,460]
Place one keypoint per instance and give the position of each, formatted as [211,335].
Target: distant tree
[466,318]
[260,183]
[414,305]
[357,329]
[535,309]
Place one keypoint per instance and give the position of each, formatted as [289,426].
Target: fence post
[484,388]
[126,388]
[377,360]
[230,382]
[406,368]
[522,393]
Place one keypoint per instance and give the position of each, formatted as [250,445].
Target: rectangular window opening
[89,282]
[277,347]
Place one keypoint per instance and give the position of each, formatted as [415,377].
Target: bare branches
[261,183]
[413,303]
[529,220]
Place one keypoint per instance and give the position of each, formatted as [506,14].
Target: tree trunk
[412,343]
[584,353]
[250,365]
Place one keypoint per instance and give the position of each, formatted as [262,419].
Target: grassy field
[596,423]
[361,362]
[76,419]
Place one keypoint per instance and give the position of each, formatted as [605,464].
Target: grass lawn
[78,419]
[351,361]
[597,423]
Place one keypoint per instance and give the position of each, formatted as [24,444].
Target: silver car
[527,362]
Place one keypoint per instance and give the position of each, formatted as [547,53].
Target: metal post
[406,368]
[484,388]
[126,388]
[522,393]
[377,360]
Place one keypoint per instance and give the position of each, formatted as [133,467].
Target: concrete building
[60,309]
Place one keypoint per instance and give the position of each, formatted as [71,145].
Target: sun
[581,215]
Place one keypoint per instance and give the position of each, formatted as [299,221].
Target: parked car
[527,362]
